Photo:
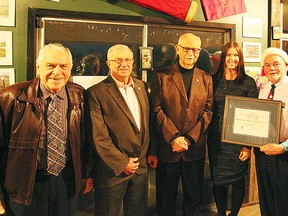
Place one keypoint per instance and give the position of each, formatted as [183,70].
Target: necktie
[271,93]
[56,147]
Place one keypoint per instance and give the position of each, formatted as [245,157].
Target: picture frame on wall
[253,72]
[7,77]
[284,45]
[5,47]
[7,13]
[146,58]
[252,51]
[252,27]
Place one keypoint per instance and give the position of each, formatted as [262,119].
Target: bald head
[188,49]
[189,36]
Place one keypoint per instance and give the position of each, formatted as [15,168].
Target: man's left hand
[272,149]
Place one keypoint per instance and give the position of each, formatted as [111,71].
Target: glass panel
[163,40]
[88,41]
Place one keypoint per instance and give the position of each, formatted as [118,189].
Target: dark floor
[85,202]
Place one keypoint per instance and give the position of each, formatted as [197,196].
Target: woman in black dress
[228,162]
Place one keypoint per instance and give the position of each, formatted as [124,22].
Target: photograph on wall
[252,51]
[146,58]
[7,77]
[5,48]
[284,45]
[252,27]
[7,13]
[253,72]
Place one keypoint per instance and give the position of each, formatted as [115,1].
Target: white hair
[274,51]
[54,46]
[116,47]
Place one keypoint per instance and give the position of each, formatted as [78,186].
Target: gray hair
[116,47]
[53,46]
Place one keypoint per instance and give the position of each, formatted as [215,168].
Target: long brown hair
[240,69]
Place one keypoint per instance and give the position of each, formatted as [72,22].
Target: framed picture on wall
[146,58]
[253,72]
[5,47]
[252,27]
[7,13]
[284,45]
[284,21]
[7,77]
[252,51]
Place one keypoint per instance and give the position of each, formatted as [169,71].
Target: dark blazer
[114,134]
[173,113]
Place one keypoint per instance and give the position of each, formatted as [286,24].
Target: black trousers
[272,175]
[133,194]
[167,180]
[52,196]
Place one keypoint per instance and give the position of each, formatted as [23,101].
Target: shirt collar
[283,80]
[121,84]
[47,93]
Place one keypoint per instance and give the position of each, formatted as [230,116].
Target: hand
[88,185]
[180,144]
[132,166]
[152,160]
[245,154]
[272,149]
[2,209]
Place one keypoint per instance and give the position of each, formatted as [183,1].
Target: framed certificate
[250,121]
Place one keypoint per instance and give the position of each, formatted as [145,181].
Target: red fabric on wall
[215,9]
[182,9]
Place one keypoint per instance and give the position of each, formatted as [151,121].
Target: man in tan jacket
[181,108]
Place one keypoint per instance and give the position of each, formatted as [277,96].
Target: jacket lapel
[178,81]
[195,84]
[118,98]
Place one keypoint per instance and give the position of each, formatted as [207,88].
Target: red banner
[215,9]
[182,9]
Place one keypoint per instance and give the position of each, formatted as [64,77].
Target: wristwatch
[285,145]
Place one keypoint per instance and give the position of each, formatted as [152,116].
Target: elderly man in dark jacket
[35,179]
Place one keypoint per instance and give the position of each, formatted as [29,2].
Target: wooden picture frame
[250,121]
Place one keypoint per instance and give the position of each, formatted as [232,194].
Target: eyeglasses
[187,49]
[120,60]
[275,65]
